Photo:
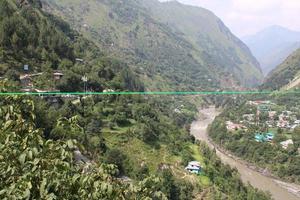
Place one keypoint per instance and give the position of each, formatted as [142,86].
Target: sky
[246,17]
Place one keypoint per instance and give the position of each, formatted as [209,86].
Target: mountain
[272,46]
[48,45]
[208,34]
[170,45]
[286,75]
[92,147]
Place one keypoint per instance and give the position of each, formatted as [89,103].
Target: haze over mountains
[169,45]
[272,46]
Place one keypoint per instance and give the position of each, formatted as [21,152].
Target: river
[279,190]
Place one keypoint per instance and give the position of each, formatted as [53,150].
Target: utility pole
[84,79]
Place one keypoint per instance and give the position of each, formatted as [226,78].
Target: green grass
[203,180]
[137,150]
[196,154]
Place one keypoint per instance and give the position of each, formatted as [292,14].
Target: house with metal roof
[264,137]
[194,167]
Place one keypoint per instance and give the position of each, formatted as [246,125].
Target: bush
[116,157]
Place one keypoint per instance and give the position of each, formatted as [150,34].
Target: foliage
[270,156]
[46,169]
[43,132]
[227,182]
[165,52]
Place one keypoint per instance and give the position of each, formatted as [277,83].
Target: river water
[256,179]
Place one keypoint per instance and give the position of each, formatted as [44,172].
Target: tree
[116,157]
[32,167]
[5,9]
[296,137]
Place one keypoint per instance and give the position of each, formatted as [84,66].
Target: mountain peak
[277,27]
[272,45]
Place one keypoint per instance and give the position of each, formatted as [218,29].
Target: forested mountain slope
[166,52]
[285,75]
[92,147]
[31,37]
[208,34]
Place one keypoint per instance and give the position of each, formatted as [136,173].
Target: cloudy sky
[246,17]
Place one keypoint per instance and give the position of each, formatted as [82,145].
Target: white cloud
[245,17]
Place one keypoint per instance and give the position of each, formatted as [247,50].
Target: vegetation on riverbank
[281,160]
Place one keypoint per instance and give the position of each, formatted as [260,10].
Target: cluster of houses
[268,137]
[27,81]
[275,119]
[194,167]
[286,119]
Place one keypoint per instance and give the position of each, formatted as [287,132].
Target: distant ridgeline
[170,46]
[285,76]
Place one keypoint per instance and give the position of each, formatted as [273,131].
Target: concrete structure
[285,144]
[232,126]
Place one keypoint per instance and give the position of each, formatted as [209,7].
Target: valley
[98,100]
[279,190]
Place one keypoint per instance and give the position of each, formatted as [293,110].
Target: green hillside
[93,147]
[164,50]
[207,33]
[286,74]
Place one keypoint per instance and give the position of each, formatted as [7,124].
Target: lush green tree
[296,137]
[116,157]
[46,169]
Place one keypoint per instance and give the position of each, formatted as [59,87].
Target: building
[26,67]
[177,110]
[272,115]
[249,117]
[269,136]
[285,144]
[108,91]
[257,103]
[264,137]
[282,123]
[259,137]
[58,75]
[194,167]
[232,126]
[79,60]
[26,81]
